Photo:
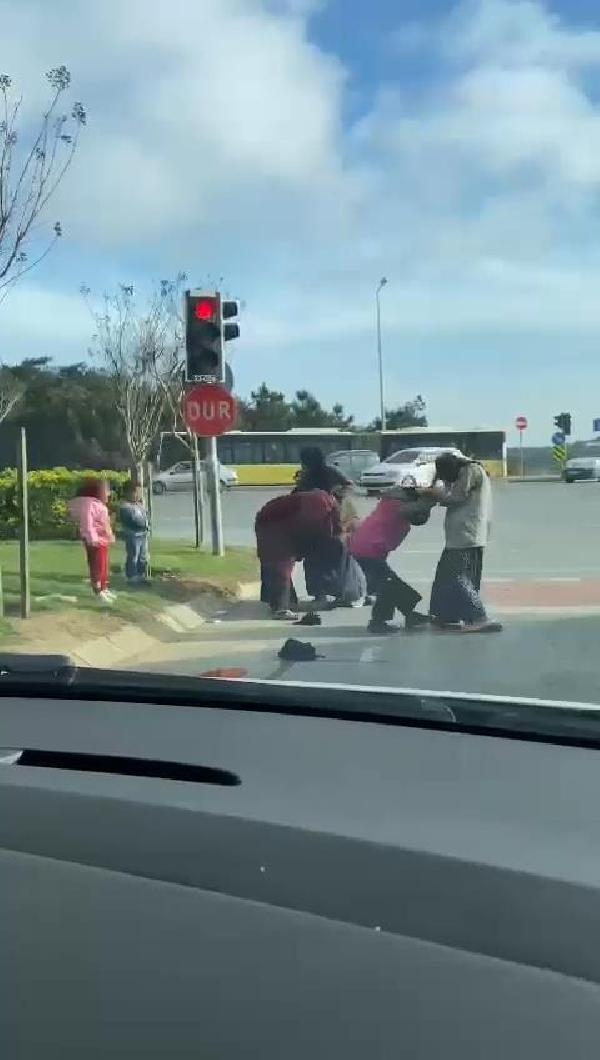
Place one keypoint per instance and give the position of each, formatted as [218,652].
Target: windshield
[406,456]
[261,263]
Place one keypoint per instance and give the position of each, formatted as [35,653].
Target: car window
[403,456]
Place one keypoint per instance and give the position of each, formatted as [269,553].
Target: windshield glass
[261,263]
[406,456]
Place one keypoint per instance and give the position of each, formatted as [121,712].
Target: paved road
[542,575]
[540,657]
[543,530]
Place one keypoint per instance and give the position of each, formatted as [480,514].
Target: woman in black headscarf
[330,572]
[315,474]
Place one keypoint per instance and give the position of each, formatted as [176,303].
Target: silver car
[179,478]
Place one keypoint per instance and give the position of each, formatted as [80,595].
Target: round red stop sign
[209,410]
[521,423]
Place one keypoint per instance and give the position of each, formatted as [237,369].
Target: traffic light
[228,310]
[203,347]
[205,334]
[563,423]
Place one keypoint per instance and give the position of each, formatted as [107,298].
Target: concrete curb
[131,639]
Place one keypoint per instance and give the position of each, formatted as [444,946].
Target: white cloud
[216,143]
[519,33]
[188,102]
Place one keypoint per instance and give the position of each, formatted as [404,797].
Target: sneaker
[415,620]
[285,616]
[382,629]
[105,597]
[482,627]
[110,594]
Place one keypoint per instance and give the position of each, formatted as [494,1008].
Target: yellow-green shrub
[49,493]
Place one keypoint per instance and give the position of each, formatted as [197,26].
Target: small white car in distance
[406,467]
[179,478]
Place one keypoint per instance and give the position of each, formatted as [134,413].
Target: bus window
[274,452]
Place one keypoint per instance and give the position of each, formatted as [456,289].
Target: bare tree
[11,391]
[141,350]
[29,176]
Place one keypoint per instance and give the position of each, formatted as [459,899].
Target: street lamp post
[381,285]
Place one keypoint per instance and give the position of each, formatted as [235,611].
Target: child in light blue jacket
[133,519]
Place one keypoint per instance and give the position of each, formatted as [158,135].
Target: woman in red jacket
[287,529]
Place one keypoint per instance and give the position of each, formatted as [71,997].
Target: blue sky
[301,149]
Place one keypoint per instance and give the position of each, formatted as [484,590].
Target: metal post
[23,525]
[216,515]
[521,453]
[198,498]
[150,514]
[149,496]
[382,284]
[214,479]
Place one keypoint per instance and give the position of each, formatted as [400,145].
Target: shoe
[105,597]
[285,616]
[382,629]
[323,603]
[111,595]
[415,620]
[310,619]
[482,627]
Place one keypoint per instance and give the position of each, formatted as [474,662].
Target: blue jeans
[136,556]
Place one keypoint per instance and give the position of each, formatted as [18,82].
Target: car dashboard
[257,872]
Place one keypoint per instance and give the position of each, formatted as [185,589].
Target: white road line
[558,579]
[368,655]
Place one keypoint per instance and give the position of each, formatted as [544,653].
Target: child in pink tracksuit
[89,509]
[378,535]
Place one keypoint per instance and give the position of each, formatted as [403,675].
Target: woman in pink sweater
[378,535]
[89,510]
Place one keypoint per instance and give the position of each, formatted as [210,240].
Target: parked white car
[406,467]
[179,478]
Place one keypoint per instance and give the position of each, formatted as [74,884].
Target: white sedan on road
[179,478]
[406,467]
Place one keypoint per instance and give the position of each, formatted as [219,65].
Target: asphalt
[541,578]
[541,529]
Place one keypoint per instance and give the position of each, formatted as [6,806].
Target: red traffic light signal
[205,309]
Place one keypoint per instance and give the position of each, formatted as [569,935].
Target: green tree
[267,410]
[307,411]
[412,414]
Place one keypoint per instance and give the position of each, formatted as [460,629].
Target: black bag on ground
[298,651]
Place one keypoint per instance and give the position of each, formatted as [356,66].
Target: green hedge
[49,493]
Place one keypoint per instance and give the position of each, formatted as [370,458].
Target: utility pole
[382,284]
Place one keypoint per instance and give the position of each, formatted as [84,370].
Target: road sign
[521,423]
[596,426]
[558,438]
[209,410]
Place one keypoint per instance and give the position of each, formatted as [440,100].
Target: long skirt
[276,586]
[330,570]
[455,591]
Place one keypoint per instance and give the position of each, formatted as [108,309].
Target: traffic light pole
[198,493]
[216,514]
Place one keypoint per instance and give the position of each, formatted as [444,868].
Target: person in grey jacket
[133,520]
[466,493]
